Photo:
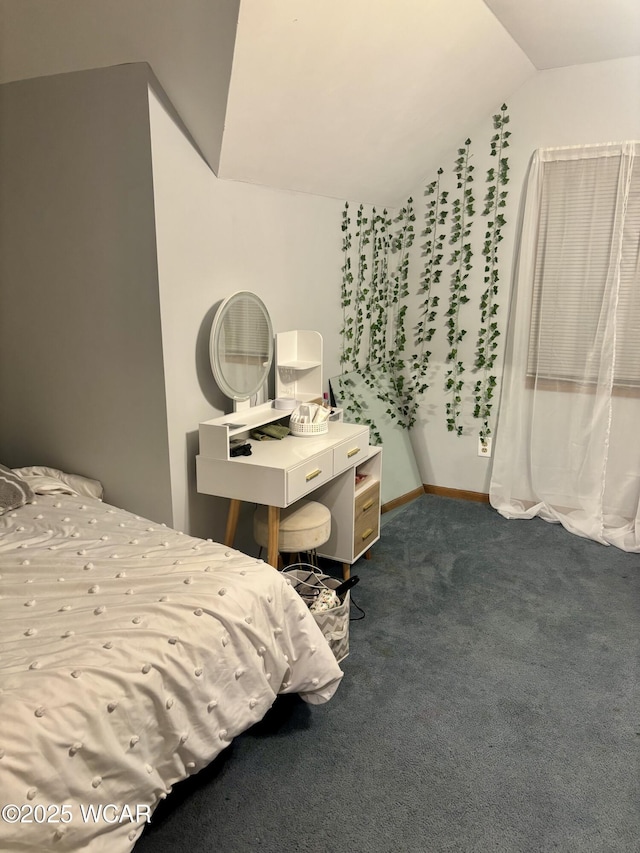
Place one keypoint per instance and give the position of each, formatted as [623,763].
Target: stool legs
[292,558]
[296,528]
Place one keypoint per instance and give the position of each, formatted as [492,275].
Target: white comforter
[130,656]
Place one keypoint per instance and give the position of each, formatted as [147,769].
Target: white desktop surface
[272,474]
[279,472]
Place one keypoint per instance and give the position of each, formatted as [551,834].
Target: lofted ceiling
[355,99]
[554,33]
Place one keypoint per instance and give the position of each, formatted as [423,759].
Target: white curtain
[567,446]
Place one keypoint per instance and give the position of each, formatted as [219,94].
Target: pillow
[14,491]
[47,481]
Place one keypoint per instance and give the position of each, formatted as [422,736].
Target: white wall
[81,379]
[564,106]
[215,237]
[117,242]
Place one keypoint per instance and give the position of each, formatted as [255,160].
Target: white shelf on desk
[298,357]
[298,365]
[216,433]
[365,484]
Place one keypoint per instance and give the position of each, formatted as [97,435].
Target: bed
[130,656]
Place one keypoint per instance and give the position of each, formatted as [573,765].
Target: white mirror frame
[218,346]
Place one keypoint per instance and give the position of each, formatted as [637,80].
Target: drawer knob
[367,505]
[313,474]
[352,452]
[367,533]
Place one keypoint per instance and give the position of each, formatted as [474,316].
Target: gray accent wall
[81,367]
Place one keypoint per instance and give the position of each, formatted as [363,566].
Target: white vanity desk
[280,472]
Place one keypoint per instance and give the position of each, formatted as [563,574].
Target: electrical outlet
[484,446]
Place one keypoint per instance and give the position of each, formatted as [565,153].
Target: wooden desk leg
[273,529]
[346,571]
[232,522]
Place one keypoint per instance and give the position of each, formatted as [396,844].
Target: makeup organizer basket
[309,420]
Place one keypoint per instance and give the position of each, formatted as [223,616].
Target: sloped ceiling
[188,43]
[554,33]
[355,99]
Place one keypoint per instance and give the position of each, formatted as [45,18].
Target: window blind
[587,270]
[245,332]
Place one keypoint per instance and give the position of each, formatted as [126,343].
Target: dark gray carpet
[490,703]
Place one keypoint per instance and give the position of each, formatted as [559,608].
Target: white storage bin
[334,623]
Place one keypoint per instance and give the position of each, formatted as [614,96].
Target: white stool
[303,527]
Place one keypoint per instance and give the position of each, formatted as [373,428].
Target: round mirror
[241,345]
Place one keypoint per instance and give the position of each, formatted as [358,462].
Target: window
[586,291]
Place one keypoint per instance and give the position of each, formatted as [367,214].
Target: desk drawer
[367,518]
[308,476]
[366,532]
[351,452]
[368,501]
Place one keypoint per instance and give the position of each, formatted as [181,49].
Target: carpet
[490,703]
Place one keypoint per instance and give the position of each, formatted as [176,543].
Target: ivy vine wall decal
[432,252]
[376,300]
[487,343]
[462,212]
[374,305]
